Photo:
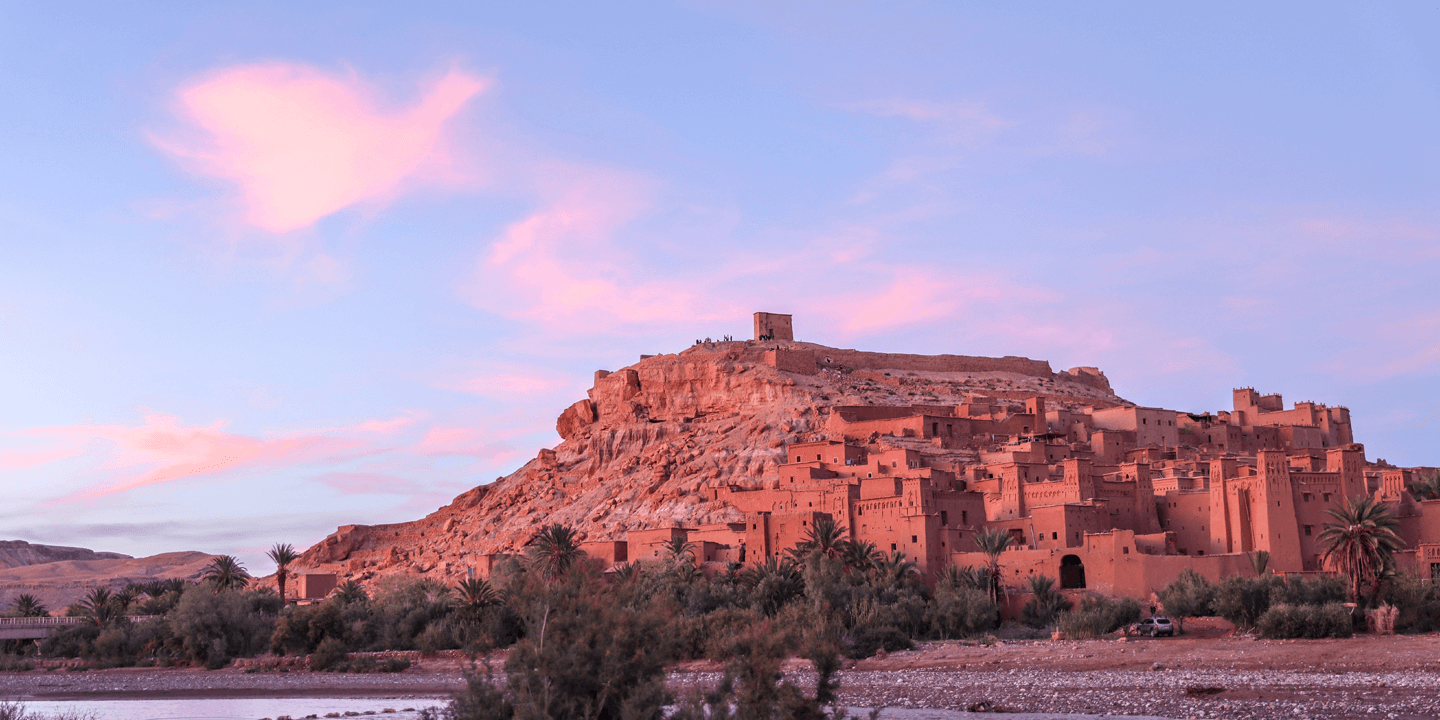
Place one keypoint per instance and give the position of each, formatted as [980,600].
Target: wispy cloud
[162,450]
[564,267]
[301,144]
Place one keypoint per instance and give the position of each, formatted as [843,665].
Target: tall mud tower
[773,326]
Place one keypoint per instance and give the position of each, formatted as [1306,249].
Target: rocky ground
[1386,678]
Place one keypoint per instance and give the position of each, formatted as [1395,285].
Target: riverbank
[1394,678]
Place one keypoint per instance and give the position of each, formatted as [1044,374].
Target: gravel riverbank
[1394,678]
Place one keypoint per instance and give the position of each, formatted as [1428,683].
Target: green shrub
[963,611]
[330,652]
[72,642]
[1097,616]
[212,627]
[1190,595]
[1045,604]
[1418,602]
[1242,600]
[1306,621]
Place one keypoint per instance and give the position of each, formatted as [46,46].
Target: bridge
[36,628]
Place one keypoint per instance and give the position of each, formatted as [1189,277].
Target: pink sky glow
[302,144]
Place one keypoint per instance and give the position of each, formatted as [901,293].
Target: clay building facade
[1116,499]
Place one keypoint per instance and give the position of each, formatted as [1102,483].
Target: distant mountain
[16,553]
[61,582]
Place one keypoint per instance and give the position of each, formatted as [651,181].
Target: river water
[231,709]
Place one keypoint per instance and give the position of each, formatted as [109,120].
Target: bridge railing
[61,621]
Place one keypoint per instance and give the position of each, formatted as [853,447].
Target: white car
[1155,626]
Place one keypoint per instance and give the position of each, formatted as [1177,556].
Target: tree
[27,606]
[226,573]
[895,570]
[1426,488]
[861,556]
[1259,560]
[101,606]
[993,542]
[554,550]
[1045,603]
[824,536]
[351,591]
[1361,543]
[282,554]
[1191,595]
[478,594]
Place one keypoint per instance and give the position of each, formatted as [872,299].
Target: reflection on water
[234,709]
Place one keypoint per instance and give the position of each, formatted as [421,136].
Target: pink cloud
[302,144]
[25,459]
[162,450]
[561,267]
[476,442]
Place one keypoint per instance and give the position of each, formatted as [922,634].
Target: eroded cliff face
[644,447]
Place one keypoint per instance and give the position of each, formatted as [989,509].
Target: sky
[271,268]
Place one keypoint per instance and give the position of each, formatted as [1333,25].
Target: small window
[1327,497]
[1054,536]
[1127,551]
[914,539]
[1309,530]
[892,547]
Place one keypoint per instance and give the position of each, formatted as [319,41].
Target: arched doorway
[1072,573]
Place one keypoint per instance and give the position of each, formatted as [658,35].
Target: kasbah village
[1099,493]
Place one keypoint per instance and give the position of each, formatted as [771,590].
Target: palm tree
[628,572]
[27,606]
[1259,560]
[967,576]
[680,550]
[554,550]
[350,591]
[101,606]
[826,537]
[478,594]
[226,573]
[862,556]
[282,554]
[1361,542]
[895,570]
[993,542]
[1426,488]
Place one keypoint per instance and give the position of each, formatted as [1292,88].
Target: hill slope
[15,553]
[652,437]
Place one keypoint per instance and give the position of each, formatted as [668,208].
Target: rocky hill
[649,440]
[15,553]
[61,582]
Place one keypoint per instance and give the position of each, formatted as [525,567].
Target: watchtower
[773,326]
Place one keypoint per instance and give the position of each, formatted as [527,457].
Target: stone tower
[773,326]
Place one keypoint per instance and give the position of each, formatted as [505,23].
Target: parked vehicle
[1155,626]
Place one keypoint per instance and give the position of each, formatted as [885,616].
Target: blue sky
[267,269]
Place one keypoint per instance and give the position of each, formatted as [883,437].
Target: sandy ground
[1185,677]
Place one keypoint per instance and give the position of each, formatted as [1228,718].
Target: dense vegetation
[827,591]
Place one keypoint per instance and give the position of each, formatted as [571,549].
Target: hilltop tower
[773,326]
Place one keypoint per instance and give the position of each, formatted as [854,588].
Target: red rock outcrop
[652,438]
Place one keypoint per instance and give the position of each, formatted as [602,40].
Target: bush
[963,612]
[330,652]
[1190,595]
[1418,602]
[1306,621]
[1242,600]
[1045,604]
[1097,616]
[72,642]
[213,627]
